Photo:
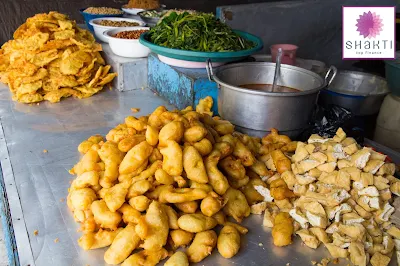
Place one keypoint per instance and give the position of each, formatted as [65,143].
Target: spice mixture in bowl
[113,23]
[100,25]
[131,34]
[103,11]
[125,41]
[91,13]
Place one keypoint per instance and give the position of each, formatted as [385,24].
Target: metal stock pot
[359,92]
[256,111]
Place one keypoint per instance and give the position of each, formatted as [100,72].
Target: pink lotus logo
[369,25]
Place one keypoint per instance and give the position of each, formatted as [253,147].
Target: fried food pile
[168,180]
[165,181]
[51,58]
[337,193]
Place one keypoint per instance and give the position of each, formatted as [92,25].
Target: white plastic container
[132,11]
[131,48]
[387,131]
[99,29]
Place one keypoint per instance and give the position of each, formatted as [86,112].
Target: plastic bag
[325,122]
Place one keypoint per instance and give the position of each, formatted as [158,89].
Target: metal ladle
[277,68]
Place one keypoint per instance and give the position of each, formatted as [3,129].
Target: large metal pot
[256,112]
[359,92]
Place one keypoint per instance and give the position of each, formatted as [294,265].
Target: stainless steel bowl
[151,21]
[361,93]
[255,111]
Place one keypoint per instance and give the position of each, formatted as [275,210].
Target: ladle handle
[209,68]
[332,70]
[277,68]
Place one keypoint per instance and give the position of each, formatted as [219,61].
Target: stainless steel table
[36,182]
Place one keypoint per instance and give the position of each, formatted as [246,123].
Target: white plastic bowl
[99,29]
[132,11]
[126,47]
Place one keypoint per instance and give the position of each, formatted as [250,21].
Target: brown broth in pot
[268,88]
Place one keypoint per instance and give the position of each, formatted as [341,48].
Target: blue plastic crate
[180,86]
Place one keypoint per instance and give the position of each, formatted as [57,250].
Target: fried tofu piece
[315,172]
[308,164]
[343,163]
[340,135]
[289,179]
[315,138]
[377,156]
[327,167]
[348,141]
[387,169]
[355,173]
[316,215]
[268,220]
[380,182]
[355,231]
[352,218]
[360,158]
[258,208]
[373,166]
[337,252]
[351,149]
[304,179]
[357,254]
[299,217]
[394,231]
[320,234]
[310,148]
[319,156]
[379,260]
[308,238]
[301,153]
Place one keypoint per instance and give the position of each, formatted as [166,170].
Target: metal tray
[36,183]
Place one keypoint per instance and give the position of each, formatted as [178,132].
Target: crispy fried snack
[146,258]
[228,243]
[202,246]
[196,222]
[173,176]
[124,243]
[178,259]
[51,58]
[236,204]
[180,238]
[157,221]
[282,230]
[205,105]
[281,162]
[279,190]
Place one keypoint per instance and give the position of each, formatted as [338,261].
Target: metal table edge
[12,209]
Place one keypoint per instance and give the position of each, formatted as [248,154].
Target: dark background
[14,12]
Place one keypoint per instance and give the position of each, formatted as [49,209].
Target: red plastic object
[288,53]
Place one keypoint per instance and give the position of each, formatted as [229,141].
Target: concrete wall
[14,12]
[313,25]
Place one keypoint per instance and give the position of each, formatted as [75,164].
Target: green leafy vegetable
[197,32]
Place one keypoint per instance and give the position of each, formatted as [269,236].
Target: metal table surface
[36,183]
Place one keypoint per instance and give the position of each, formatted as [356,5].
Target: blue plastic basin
[88,17]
